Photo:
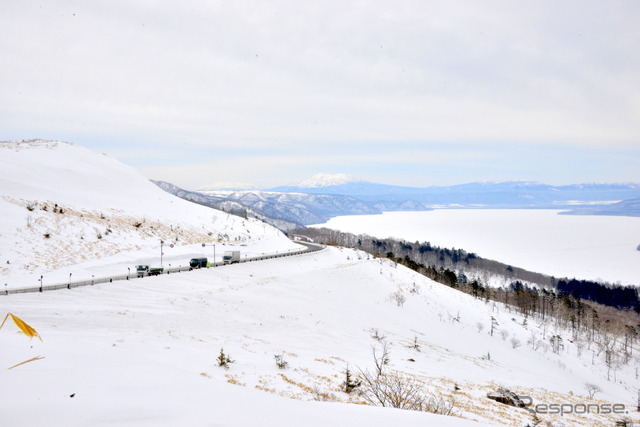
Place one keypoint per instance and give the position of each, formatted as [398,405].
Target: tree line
[597,316]
[457,267]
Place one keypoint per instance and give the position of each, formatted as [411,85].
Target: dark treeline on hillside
[596,316]
[607,317]
[458,268]
[622,297]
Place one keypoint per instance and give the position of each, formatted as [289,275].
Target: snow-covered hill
[144,352]
[66,210]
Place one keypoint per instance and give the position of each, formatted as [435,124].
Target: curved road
[310,247]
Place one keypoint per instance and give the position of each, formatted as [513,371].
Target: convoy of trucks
[229,257]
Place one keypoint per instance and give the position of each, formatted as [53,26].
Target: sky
[267,93]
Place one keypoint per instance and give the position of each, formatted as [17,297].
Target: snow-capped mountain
[326,180]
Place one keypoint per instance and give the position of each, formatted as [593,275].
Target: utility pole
[214,252]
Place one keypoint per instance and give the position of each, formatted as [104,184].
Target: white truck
[231,257]
[145,270]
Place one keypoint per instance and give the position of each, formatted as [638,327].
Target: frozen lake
[584,247]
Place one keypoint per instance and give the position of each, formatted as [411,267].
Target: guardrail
[310,247]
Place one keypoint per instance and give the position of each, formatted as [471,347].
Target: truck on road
[231,257]
[145,270]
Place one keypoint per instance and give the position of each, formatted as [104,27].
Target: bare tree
[381,359]
[592,389]
[399,298]
[533,340]
[515,342]
[397,390]
[392,390]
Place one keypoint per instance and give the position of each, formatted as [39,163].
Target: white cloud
[271,76]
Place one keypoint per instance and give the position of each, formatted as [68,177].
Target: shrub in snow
[399,298]
[376,335]
[280,361]
[398,390]
[223,359]
[415,344]
[349,383]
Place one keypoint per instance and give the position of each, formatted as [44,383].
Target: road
[309,247]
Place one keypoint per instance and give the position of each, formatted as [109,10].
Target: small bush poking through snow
[224,359]
[281,363]
[349,383]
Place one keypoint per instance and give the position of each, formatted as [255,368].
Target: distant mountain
[235,207]
[510,194]
[325,180]
[287,210]
[300,208]
[324,196]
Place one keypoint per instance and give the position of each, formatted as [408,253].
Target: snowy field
[143,352]
[584,247]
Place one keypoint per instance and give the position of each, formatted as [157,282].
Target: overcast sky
[267,93]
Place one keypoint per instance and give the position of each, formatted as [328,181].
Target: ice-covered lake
[584,247]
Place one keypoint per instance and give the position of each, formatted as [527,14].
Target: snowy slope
[67,210]
[143,352]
